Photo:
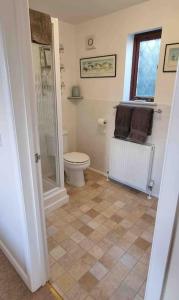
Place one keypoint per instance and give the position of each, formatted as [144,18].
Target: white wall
[111,33]
[100,95]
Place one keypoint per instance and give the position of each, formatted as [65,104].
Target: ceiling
[77,11]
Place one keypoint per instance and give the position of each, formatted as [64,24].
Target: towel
[41,27]
[123,121]
[141,124]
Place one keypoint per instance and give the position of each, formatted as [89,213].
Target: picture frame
[171,57]
[98,66]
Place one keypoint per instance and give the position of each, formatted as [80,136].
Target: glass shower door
[47,114]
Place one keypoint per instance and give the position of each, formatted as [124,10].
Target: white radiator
[131,163]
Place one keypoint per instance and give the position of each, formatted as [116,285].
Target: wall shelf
[75,98]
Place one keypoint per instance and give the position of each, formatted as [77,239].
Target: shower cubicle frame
[57,196]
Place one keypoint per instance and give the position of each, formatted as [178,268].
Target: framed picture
[98,67]
[171,57]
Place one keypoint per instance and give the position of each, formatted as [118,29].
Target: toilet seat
[76,158]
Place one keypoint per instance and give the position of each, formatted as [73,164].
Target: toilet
[74,164]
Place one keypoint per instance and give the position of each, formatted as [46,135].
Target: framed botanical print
[171,57]
[98,67]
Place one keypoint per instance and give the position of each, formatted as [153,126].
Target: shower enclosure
[46,67]
[47,114]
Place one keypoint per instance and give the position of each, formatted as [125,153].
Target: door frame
[17,77]
[167,206]
[17,20]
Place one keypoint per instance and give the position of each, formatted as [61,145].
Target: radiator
[131,163]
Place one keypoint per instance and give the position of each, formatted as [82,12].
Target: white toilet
[74,163]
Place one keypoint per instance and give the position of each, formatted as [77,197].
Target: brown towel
[123,121]
[41,27]
[141,124]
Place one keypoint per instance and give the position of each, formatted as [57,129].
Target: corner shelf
[75,98]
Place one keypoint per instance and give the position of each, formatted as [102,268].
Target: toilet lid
[76,157]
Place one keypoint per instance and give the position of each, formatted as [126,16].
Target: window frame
[138,38]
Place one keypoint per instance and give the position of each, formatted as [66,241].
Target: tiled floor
[100,242]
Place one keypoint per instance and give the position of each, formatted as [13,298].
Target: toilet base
[75,177]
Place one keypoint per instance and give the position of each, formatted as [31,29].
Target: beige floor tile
[77,253]
[77,293]
[60,236]
[66,261]
[115,252]
[86,244]
[69,230]
[85,208]
[116,218]
[136,251]
[138,298]
[119,272]
[103,229]
[148,218]
[86,230]
[51,243]
[69,245]
[96,251]
[128,260]
[65,282]
[77,237]
[141,269]
[88,282]
[134,281]
[93,224]
[141,243]
[55,271]
[105,288]
[92,213]
[100,219]
[141,292]
[88,259]
[108,261]
[105,244]
[124,292]
[51,230]
[57,252]
[97,199]
[77,224]
[89,298]
[96,236]
[79,269]
[51,260]
[99,270]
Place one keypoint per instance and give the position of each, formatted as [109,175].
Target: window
[145,64]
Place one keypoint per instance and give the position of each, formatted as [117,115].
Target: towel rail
[159,111]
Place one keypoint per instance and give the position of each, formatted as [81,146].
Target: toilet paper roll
[102,122]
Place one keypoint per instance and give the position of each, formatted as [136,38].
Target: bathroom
[86,259]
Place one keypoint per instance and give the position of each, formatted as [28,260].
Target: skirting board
[55,199]
[15,264]
[104,174]
[98,171]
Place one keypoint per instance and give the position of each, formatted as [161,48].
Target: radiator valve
[150,188]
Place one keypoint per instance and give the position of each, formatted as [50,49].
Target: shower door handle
[37,157]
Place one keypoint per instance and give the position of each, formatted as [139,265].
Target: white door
[167,206]
[26,248]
